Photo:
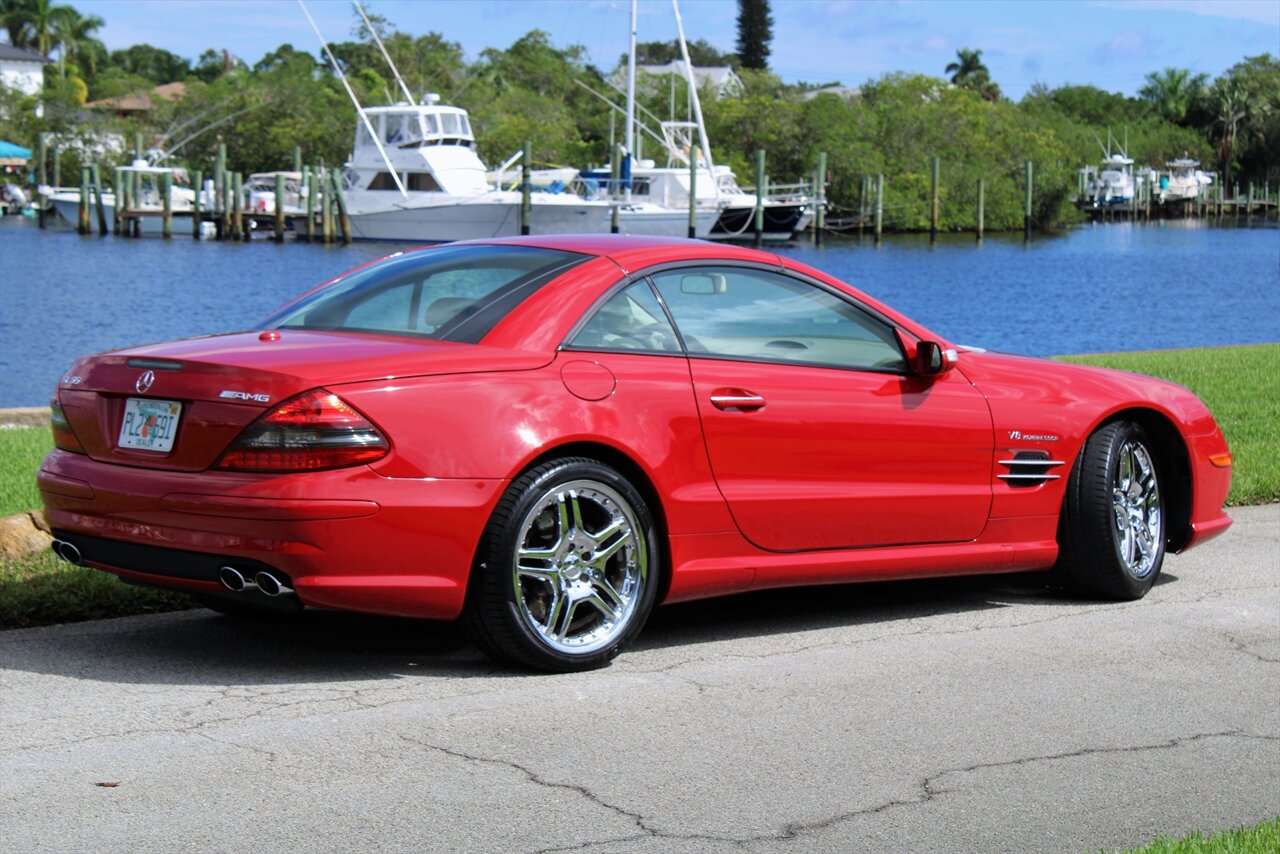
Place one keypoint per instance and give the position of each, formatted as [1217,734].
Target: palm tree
[74,34]
[968,68]
[1229,103]
[970,73]
[1171,91]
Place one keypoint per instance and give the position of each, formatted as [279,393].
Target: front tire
[1112,531]
[567,569]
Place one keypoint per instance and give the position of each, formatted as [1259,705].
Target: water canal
[1096,288]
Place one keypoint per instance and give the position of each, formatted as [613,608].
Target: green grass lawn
[1241,385]
[42,590]
[1263,839]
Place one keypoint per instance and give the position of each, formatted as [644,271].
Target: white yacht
[1184,181]
[1114,184]
[414,175]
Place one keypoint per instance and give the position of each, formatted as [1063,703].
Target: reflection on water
[1102,287]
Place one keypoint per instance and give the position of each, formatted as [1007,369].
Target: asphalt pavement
[952,716]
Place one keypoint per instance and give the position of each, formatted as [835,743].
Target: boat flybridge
[414,174]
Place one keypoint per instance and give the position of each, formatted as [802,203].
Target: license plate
[149,425]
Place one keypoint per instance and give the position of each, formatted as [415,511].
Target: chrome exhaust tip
[234,580]
[67,551]
[271,586]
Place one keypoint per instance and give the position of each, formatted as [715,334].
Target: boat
[669,186]
[1114,184]
[150,200]
[260,191]
[414,175]
[1184,181]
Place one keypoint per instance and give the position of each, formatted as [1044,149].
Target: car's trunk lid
[215,387]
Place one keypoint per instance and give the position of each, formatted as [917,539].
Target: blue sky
[1107,43]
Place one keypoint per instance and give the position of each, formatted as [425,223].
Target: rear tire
[1111,533]
[567,569]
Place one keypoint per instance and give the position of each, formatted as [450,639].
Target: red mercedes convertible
[544,437]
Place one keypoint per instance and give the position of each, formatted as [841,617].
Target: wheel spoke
[593,598]
[608,593]
[601,556]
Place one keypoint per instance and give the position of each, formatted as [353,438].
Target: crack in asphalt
[532,776]
[930,788]
[1240,646]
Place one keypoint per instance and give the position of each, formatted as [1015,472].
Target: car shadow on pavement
[202,648]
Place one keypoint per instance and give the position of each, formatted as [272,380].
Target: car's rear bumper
[347,539]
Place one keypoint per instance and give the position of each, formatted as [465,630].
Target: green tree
[755,31]
[1171,91]
[155,64]
[969,72]
[701,53]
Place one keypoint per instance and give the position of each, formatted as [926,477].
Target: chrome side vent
[1029,468]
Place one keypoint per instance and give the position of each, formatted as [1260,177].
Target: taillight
[315,430]
[64,438]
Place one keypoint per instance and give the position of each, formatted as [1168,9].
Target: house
[21,69]
[139,103]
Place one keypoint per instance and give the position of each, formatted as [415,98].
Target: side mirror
[932,360]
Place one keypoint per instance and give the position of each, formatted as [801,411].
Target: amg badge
[244,395]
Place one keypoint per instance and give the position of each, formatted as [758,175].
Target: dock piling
[99,205]
[166,199]
[759,212]
[879,206]
[279,211]
[1026,222]
[309,182]
[820,199]
[526,200]
[982,207]
[340,204]
[933,205]
[196,216]
[693,198]
[82,215]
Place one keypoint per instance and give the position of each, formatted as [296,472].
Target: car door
[818,435]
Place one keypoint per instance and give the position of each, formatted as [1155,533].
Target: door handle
[736,400]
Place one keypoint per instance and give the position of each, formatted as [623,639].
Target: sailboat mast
[629,133]
[697,105]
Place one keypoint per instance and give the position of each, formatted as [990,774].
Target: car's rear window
[453,293]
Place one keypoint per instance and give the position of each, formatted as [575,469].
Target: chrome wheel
[1135,499]
[581,566]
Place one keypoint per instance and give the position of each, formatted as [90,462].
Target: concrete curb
[25,416]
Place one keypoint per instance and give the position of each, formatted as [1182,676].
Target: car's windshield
[453,293]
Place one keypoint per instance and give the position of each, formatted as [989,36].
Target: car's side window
[744,313]
[631,319]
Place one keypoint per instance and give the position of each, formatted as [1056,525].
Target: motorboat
[149,199]
[414,174]
[1184,181]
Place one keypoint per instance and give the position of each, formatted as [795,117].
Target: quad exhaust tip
[272,586]
[234,580]
[67,551]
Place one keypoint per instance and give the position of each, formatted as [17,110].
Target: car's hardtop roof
[633,252]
